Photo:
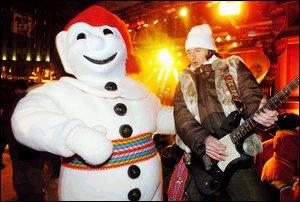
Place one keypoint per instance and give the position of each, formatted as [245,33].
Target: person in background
[27,164]
[6,90]
[202,101]
[3,142]
[280,171]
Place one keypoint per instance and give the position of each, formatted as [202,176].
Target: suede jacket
[202,101]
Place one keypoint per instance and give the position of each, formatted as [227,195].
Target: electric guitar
[210,175]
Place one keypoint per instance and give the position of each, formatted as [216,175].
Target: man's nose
[193,56]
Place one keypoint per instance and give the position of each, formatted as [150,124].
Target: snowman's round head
[96,43]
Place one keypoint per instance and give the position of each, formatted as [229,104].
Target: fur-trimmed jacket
[202,101]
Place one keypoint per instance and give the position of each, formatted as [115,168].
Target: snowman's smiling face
[87,50]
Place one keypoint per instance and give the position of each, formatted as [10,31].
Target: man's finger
[262,121]
[215,156]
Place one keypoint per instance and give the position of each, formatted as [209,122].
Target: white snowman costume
[102,122]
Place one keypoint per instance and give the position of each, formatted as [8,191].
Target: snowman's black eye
[107,31]
[81,36]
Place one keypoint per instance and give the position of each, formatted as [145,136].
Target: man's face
[197,56]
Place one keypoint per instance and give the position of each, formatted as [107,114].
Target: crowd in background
[28,165]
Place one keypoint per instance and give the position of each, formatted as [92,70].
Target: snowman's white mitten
[100,129]
[90,144]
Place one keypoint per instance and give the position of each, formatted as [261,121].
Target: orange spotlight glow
[229,8]
[161,65]
[183,11]
[295,111]
[176,75]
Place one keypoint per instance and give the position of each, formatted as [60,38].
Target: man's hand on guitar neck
[266,118]
[215,149]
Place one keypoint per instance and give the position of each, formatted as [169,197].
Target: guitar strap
[233,90]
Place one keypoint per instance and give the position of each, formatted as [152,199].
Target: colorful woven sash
[178,182]
[126,151]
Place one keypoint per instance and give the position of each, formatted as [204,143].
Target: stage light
[183,11]
[228,37]
[218,39]
[229,8]
[165,58]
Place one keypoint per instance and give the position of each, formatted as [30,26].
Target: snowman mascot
[101,122]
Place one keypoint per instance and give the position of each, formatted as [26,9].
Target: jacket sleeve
[187,127]
[249,90]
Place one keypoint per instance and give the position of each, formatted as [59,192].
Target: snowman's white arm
[165,121]
[38,122]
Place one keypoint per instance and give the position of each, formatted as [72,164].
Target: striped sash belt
[125,152]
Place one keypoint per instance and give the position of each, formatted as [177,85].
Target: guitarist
[202,101]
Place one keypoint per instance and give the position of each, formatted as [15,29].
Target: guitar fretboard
[272,104]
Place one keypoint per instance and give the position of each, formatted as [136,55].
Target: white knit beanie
[200,36]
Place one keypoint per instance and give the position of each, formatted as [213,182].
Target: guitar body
[217,177]
[210,175]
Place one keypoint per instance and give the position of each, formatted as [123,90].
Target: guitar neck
[272,104]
